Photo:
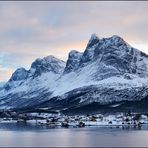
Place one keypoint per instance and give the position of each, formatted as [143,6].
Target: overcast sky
[29,30]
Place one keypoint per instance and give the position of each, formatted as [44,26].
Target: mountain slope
[31,89]
[109,70]
[111,62]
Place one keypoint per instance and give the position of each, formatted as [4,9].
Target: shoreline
[73,124]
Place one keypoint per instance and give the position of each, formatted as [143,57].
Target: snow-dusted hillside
[2,84]
[109,70]
[29,87]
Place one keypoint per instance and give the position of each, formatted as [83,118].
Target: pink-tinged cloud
[5,73]
[29,30]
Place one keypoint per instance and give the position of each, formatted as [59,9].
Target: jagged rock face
[39,66]
[19,74]
[89,52]
[46,64]
[108,70]
[115,52]
[93,40]
[73,61]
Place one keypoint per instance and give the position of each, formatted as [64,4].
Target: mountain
[29,87]
[47,65]
[73,61]
[109,72]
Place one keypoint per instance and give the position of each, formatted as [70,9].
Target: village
[61,120]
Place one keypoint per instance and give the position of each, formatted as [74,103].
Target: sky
[30,30]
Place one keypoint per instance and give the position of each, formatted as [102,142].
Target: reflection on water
[12,134]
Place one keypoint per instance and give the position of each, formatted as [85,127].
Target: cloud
[5,73]
[35,29]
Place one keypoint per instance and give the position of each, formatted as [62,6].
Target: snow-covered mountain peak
[51,58]
[74,53]
[47,60]
[47,64]
[114,55]
[94,36]
[19,74]
[116,37]
[118,41]
[93,40]
[108,70]
[73,61]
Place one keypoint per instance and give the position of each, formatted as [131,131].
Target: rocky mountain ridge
[109,70]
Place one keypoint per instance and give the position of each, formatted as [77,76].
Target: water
[13,134]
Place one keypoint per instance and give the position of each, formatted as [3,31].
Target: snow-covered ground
[74,121]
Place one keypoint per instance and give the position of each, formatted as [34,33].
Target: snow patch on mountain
[108,70]
[73,61]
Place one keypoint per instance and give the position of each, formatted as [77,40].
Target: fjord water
[13,134]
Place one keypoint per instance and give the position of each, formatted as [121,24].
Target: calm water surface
[13,134]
